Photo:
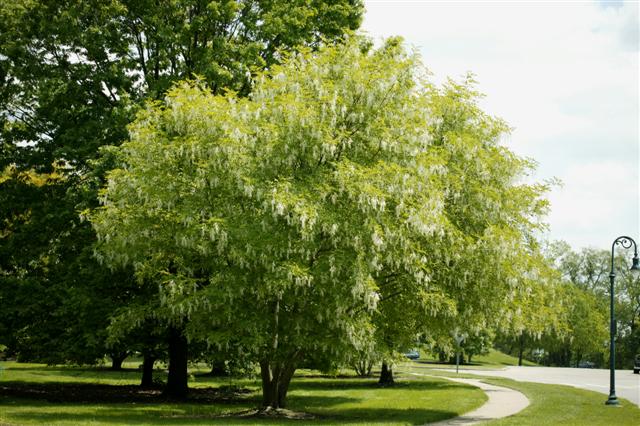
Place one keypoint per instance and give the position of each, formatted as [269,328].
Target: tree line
[584,337]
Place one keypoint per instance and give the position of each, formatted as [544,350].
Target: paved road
[627,383]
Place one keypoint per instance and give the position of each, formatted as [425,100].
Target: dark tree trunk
[147,371]
[177,379]
[218,369]
[469,357]
[276,378]
[520,349]
[117,359]
[386,375]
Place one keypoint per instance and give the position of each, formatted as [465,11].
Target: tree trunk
[363,367]
[117,359]
[469,357]
[147,371]
[386,375]
[520,349]
[567,358]
[218,369]
[276,378]
[177,379]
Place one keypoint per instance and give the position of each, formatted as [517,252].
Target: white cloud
[623,21]
[595,195]
[563,74]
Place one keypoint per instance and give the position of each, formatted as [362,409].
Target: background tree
[588,325]
[579,330]
[478,343]
[586,275]
[72,71]
[56,306]
[542,310]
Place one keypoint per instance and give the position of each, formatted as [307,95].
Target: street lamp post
[459,338]
[625,242]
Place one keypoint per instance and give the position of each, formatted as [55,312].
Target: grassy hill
[494,359]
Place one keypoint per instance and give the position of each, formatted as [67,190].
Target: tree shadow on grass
[416,416]
[206,415]
[99,369]
[116,414]
[102,393]
[346,384]
[85,373]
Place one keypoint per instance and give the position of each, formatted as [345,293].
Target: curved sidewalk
[503,402]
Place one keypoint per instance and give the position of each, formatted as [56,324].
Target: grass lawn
[332,400]
[416,400]
[495,357]
[492,361]
[566,405]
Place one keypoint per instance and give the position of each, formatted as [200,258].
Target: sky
[565,75]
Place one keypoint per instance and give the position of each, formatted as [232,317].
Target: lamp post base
[613,400]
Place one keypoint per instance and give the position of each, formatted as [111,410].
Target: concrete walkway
[503,402]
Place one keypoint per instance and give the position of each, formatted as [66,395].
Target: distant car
[636,365]
[412,354]
[586,364]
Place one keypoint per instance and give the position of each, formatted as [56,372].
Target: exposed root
[261,413]
[284,413]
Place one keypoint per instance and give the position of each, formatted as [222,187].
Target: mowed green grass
[493,360]
[497,358]
[332,400]
[566,405]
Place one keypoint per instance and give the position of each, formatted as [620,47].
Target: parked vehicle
[636,365]
[412,354]
[586,364]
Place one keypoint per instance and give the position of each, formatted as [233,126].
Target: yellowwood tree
[310,216]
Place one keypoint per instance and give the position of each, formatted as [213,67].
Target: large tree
[56,303]
[72,75]
[71,71]
[290,222]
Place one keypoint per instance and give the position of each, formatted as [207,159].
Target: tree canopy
[71,72]
[298,220]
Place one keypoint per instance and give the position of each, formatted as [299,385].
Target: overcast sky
[565,75]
